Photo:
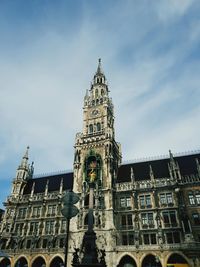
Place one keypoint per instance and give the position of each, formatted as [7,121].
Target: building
[1,214]
[146,213]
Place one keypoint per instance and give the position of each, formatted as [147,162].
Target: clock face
[95,112]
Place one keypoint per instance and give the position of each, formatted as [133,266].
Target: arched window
[96,92]
[98,127]
[90,128]
[102,92]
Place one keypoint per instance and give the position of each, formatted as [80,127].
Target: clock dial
[95,112]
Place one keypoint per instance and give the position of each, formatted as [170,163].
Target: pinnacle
[99,68]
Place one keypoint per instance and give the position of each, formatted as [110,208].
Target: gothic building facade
[145,213]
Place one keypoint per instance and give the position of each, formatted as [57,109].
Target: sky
[49,50]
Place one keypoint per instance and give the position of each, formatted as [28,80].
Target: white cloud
[170,9]
[42,87]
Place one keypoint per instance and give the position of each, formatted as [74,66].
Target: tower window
[98,127]
[90,128]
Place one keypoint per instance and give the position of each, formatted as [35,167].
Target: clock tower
[96,160]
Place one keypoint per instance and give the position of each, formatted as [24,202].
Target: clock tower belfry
[98,136]
[97,156]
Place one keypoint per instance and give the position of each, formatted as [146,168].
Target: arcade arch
[39,262]
[127,261]
[176,258]
[22,262]
[57,262]
[151,261]
[5,262]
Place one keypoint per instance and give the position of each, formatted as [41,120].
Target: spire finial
[24,161]
[26,153]
[99,68]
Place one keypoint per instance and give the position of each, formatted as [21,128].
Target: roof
[141,170]
[53,183]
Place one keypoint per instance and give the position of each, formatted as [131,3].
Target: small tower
[23,173]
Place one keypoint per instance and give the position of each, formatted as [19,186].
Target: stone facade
[146,213]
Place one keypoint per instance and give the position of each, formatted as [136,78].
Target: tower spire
[24,162]
[99,68]
[99,77]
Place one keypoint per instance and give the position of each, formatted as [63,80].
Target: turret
[23,173]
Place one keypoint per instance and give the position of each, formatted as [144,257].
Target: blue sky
[48,55]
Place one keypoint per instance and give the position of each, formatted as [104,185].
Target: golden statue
[92,173]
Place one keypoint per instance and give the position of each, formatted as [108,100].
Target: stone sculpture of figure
[75,259]
[102,258]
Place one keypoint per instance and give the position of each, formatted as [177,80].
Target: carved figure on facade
[75,259]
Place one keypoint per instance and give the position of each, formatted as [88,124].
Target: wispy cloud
[48,57]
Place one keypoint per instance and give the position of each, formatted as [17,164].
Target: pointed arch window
[90,128]
[98,126]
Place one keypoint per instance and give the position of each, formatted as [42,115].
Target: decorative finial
[99,68]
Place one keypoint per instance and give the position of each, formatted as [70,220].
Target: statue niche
[93,168]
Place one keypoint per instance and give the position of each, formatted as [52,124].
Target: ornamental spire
[24,162]
[99,77]
[99,68]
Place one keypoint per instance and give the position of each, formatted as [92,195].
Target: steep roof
[141,170]
[53,185]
